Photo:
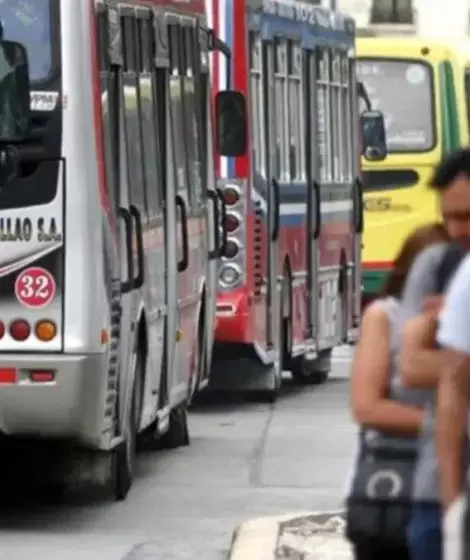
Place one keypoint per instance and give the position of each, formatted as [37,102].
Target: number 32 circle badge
[35,287]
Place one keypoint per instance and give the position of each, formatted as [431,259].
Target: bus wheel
[300,371]
[125,454]
[319,368]
[198,369]
[178,430]
[272,394]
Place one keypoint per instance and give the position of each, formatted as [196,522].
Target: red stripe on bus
[377,265]
[98,122]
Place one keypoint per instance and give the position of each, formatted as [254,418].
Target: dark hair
[416,242]
[448,266]
[451,166]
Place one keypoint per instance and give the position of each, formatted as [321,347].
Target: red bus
[288,289]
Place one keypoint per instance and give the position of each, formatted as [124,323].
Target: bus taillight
[41,376]
[231,223]
[45,330]
[20,330]
[231,196]
[232,249]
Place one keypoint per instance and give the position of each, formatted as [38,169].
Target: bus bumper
[233,318]
[70,406]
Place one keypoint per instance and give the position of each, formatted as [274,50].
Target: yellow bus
[423,89]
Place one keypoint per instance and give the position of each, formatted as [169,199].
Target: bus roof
[412,47]
[304,11]
[186,6]
[313,24]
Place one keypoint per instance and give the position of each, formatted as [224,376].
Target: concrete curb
[258,539]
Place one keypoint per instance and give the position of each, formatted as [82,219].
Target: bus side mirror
[374,139]
[15,104]
[231,123]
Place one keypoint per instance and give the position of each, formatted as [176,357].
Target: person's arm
[451,426]
[453,393]
[370,403]
[419,335]
[420,362]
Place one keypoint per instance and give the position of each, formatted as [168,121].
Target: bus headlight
[229,275]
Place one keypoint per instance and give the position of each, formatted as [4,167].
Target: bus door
[273,146]
[313,192]
[151,107]
[112,71]
[142,183]
[190,190]
[215,203]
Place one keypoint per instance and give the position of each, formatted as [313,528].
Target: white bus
[109,225]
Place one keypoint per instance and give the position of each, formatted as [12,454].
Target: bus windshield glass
[403,91]
[28,22]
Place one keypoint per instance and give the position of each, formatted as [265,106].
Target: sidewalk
[300,536]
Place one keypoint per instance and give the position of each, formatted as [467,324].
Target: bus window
[257,114]
[295,104]
[135,165]
[403,91]
[337,125]
[110,110]
[176,107]
[29,23]
[200,64]
[150,124]
[347,116]
[281,107]
[190,119]
[323,115]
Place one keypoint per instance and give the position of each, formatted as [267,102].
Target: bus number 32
[35,287]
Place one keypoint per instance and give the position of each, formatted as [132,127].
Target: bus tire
[178,430]
[125,454]
[301,372]
[319,368]
[271,395]
[198,371]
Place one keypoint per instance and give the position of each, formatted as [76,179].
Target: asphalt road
[245,460]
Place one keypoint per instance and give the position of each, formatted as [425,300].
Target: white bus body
[108,231]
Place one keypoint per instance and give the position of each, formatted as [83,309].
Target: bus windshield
[403,91]
[28,22]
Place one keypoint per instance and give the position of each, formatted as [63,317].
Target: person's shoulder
[421,279]
[430,257]
[454,318]
[375,312]
[464,268]
[426,265]
[461,280]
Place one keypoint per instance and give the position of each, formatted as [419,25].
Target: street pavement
[246,460]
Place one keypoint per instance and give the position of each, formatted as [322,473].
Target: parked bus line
[108,304]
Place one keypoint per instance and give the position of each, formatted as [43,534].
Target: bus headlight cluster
[232,264]
[229,275]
